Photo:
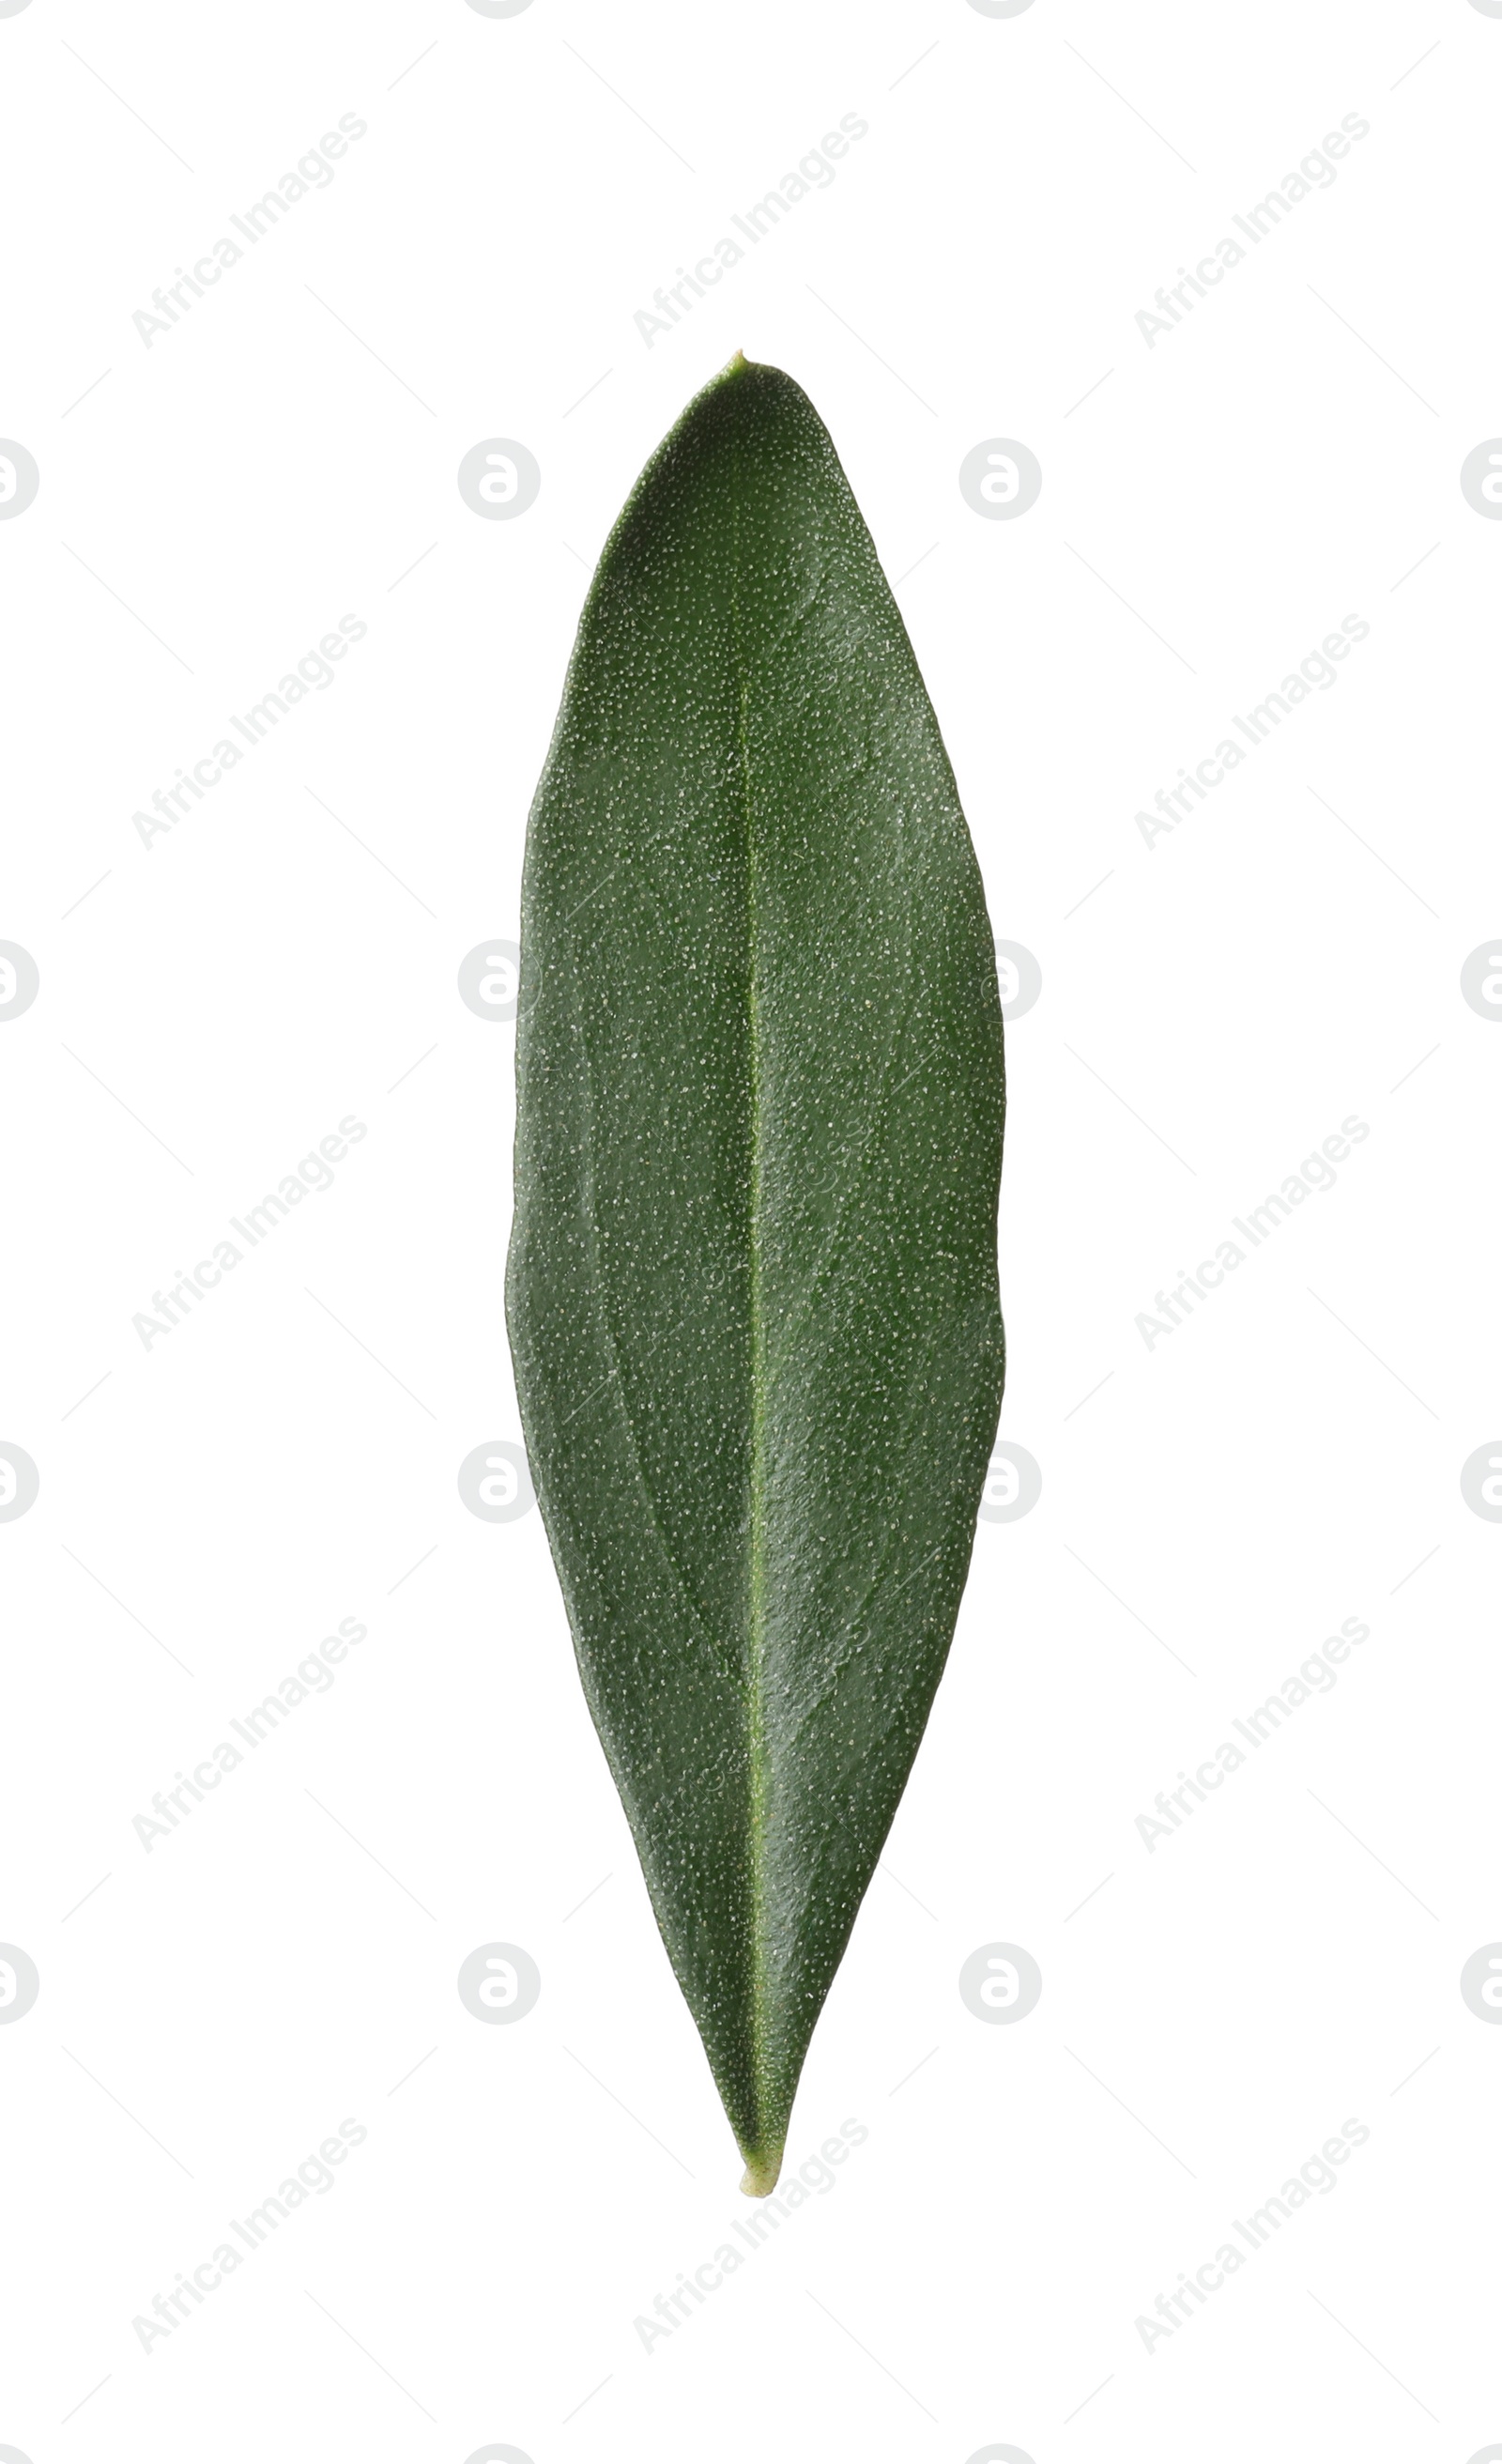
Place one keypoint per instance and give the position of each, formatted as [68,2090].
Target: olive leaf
[751,1289]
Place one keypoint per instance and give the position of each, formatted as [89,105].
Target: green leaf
[752,1291]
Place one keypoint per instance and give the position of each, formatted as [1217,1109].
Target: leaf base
[760,2177]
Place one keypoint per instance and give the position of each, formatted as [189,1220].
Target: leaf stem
[760,2177]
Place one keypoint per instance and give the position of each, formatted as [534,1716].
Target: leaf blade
[759,1120]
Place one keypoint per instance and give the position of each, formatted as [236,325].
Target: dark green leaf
[751,1289]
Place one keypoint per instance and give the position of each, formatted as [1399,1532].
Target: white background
[212,1005]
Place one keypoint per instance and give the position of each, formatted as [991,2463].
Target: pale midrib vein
[756,1584]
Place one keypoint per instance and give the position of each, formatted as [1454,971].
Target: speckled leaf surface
[752,1291]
